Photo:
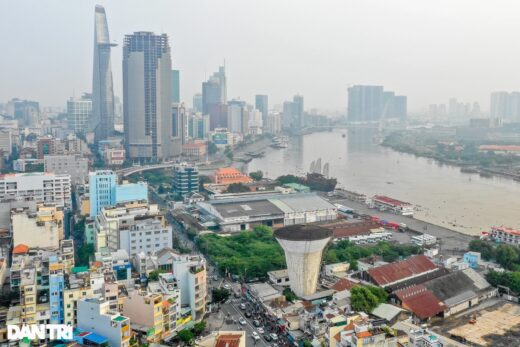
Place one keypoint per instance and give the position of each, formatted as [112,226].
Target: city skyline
[407,64]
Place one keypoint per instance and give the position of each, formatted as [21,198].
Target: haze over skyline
[279,48]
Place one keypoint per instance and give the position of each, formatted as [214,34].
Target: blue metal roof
[98,339]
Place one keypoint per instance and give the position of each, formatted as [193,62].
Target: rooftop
[387,200]
[228,340]
[302,232]
[421,301]
[394,272]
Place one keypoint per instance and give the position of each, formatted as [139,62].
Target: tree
[287,179]
[366,298]
[289,295]
[237,188]
[186,336]
[228,152]
[154,275]
[220,295]
[319,182]
[485,248]
[257,175]
[199,327]
[506,256]
[202,181]
[307,343]
[212,148]
[84,253]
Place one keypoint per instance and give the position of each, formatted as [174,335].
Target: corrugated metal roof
[478,281]
[421,301]
[460,298]
[387,311]
[393,272]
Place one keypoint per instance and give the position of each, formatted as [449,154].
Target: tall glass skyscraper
[147,96]
[102,119]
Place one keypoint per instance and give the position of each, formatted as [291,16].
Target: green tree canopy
[366,298]
[506,256]
[186,336]
[237,188]
[220,295]
[212,148]
[256,175]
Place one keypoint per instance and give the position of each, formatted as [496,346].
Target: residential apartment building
[73,165]
[133,227]
[42,187]
[95,315]
[43,229]
[190,273]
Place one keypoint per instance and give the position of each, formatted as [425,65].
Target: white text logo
[41,332]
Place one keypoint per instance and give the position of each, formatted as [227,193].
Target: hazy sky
[427,50]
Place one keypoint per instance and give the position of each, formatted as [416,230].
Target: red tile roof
[228,340]
[343,284]
[20,249]
[420,300]
[408,268]
[390,201]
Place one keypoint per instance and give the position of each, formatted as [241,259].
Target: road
[452,242]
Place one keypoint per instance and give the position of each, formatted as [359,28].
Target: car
[248,314]
[242,321]
[268,337]
[260,330]
[255,336]
[256,323]
[242,306]
[274,337]
[227,286]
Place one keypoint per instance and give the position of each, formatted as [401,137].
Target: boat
[326,170]
[280,142]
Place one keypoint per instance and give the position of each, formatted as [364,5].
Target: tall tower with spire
[102,119]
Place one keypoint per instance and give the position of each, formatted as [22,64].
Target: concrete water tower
[303,246]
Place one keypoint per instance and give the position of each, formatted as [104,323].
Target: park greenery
[367,298]
[247,254]
[251,254]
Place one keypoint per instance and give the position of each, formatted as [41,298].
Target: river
[443,195]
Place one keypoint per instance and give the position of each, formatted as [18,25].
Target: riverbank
[452,242]
[444,196]
[445,150]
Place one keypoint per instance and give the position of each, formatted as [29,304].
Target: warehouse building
[276,211]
